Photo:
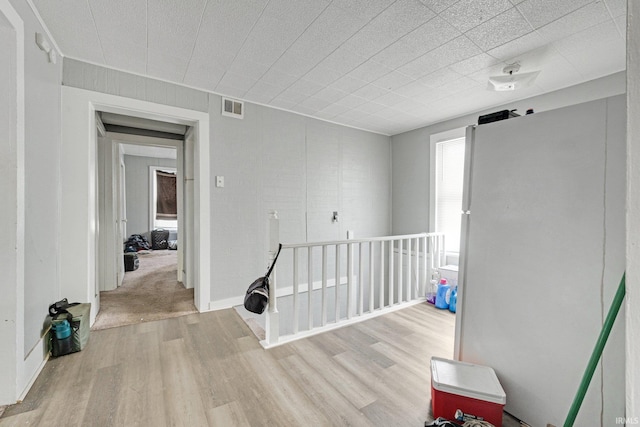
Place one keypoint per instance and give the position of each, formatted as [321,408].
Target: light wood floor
[209,369]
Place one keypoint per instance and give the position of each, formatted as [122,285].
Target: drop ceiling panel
[515,48]
[393,81]
[121,21]
[499,30]
[561,73]
[323,75]
[203,74]
[616,7]
[332,28]
[542,12]
[368,9]
[456,50]
[167,67]
[400,18]
[123,54]
[438,5]
[348,84]
[226,24]
[264,90]
[468,14]
[343,60]
[427,37]
[601,36]
[330,94]
[369,71]
[305,87]
[248,68]
[578,20]
[475,63]
[392,65]
[173,26]
[370,92]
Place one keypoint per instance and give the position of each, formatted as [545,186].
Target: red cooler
[473,389]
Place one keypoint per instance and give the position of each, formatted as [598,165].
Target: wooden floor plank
[209,369]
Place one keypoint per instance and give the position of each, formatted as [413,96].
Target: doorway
[79,190]
[141,170]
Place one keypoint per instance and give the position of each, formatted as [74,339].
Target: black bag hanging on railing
[257,296]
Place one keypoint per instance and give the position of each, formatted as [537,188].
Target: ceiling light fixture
[512,81]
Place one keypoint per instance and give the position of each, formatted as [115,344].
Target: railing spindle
[371,289]
[310,287]
[427,278]
[296,280]
[324,285]
[400,270]
[392,279]
[409,292]
[381,296]
[337,284]
[360,278]
[349,279]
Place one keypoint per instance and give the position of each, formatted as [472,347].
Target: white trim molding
[15,370]
[79,192]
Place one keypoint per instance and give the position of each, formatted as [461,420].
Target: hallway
[149,293]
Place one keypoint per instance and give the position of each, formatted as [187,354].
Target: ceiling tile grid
[383,65]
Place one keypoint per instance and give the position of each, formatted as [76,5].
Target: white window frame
[153,222]
[436,138]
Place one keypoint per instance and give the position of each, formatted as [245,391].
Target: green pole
[597,353]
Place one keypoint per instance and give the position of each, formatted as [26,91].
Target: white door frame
[79,196]
[16,368]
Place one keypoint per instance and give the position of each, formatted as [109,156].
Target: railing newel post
[272,321]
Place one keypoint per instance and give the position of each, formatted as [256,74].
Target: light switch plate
[219,181]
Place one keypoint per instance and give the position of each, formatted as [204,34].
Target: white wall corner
[632,363]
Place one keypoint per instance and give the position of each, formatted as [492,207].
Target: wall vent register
[232,108]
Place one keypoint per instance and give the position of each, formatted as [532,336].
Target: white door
[121,220]
[188,210]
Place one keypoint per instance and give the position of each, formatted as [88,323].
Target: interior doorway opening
[143,211]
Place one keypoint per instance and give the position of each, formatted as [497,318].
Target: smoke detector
[511,80]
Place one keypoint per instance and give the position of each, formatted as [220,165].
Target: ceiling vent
[232,108]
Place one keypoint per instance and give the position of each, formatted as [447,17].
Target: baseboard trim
[226,303]
[39,365]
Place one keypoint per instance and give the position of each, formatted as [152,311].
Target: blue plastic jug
[441,296]
[453,300]
[63,330]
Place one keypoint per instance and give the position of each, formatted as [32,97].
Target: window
[163,198]
[449,178]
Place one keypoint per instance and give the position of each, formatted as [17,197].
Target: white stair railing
[324,285]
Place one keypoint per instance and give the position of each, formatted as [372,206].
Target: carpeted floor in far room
[152,292]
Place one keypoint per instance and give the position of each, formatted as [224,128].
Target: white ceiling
[383,65]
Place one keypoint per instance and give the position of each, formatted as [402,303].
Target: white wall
[272,160]
[137,187]
[11,252]
[301,167]
[410,150]
[34,285]
[633,214]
